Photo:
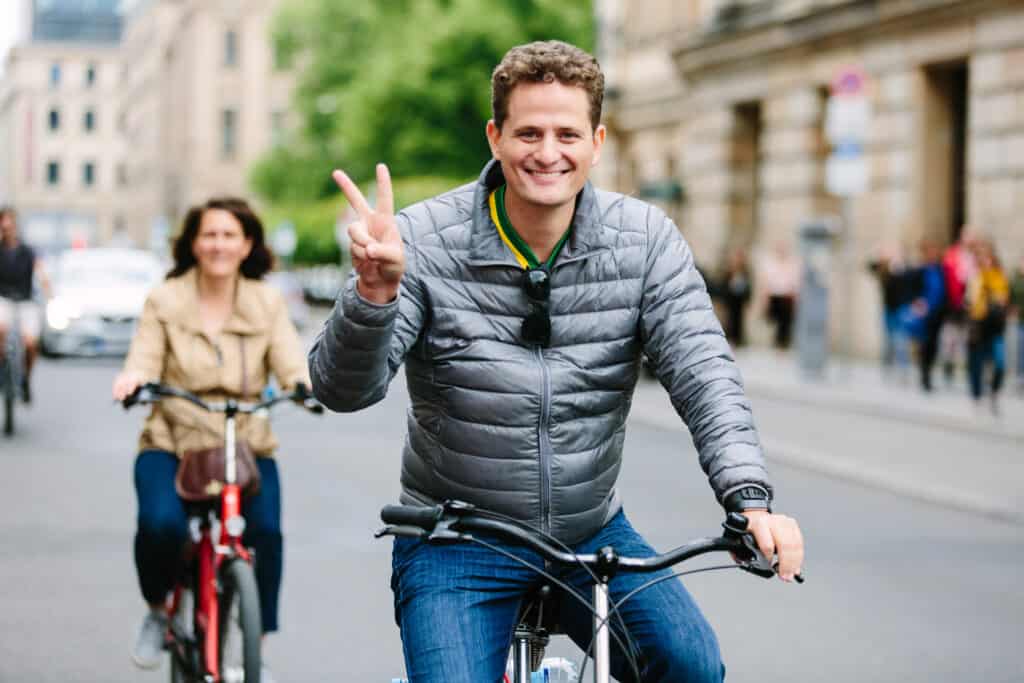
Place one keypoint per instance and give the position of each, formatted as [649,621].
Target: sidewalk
[855,425]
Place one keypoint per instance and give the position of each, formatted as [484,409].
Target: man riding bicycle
[521,305]
[18,266]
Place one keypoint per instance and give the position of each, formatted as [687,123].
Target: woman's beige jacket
[170,346]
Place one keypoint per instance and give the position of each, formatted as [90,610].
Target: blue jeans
[978,355]
[163,530]
[896,350]
[456,606]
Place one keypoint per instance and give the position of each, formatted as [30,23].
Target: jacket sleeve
[284,352]
[146,354]
[692,359]
[362,344]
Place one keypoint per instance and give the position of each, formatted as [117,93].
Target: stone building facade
[716,108]
[60,153]
[113,131]
[202,100]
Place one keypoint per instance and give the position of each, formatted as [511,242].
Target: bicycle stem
[229,448]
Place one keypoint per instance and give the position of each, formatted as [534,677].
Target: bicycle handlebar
[153,392]
[455,520]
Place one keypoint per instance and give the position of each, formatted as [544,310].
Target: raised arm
[378,314]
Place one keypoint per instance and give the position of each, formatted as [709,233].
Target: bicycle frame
[210,556]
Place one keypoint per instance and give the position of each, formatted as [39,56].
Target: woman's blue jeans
[163,530]
[978,355]
[456,605]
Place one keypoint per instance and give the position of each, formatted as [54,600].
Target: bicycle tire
[10,397]
[186,615]
[240,624]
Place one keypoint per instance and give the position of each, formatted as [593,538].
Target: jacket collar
[244,313]
[486,247]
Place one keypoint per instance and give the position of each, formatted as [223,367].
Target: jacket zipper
[544,444]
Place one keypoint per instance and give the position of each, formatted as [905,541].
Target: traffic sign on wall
[847,123]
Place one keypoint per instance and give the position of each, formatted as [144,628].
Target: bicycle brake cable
[633,649]
[642,587]
[569,591]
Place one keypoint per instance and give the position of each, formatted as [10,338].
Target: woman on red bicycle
[212,328]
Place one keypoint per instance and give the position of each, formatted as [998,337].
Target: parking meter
[812,319]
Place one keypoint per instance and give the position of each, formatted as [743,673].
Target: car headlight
[60,313]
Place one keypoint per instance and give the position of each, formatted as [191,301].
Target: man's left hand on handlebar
[778,535]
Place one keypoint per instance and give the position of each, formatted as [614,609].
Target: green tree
[404,81]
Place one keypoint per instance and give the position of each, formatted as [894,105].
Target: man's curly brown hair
[546,61]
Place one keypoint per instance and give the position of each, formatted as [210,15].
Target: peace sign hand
[377,252]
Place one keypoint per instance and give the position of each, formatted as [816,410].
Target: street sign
[846,170]
[847,124]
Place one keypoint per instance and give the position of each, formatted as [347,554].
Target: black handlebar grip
[133,398]
[407,515]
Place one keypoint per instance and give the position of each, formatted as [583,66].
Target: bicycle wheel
[185,626]
[10,396]
[241,627]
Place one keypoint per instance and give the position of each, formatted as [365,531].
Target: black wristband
[747,498]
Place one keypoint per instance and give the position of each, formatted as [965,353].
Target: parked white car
[97,299]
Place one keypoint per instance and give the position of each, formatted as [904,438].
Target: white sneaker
[149,644]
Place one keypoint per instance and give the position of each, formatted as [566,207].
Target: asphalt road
[896,590]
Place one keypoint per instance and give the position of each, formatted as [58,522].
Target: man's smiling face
[546,144]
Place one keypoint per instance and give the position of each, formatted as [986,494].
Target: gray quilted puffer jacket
[529,432]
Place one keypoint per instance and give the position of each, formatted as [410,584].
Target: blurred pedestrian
[921,319]
[958,267]
[19,269]
[781,276]
[733,289]
[215,329]
[987,298]
[899,285]
[1017,308]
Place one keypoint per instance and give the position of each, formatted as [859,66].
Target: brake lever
[401,530]
[750,559]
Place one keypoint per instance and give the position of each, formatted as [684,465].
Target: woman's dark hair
[255,266]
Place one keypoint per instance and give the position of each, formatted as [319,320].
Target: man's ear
[493,136]
[599,136]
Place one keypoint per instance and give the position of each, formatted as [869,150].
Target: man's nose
[547,153]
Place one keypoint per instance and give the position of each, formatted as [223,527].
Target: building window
[55,74]
[90,75]
[229,133]
[89,120]
[231,48]
[53,173]
[55,119]
[88,174]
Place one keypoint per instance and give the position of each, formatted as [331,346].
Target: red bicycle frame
[210,556]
